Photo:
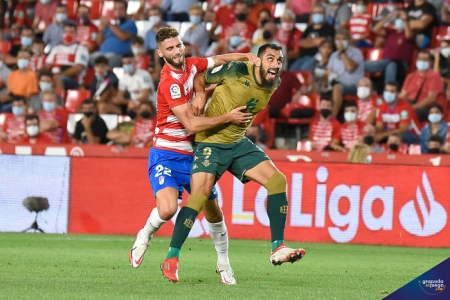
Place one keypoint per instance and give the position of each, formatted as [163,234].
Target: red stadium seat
[303,76]
[72,6]
[5,47]
[90,74]
[96,8]
[74,99]
[304,146]
[440,33]
[373,54]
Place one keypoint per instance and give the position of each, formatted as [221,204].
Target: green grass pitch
[46,266]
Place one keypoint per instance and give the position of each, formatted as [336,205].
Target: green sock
[185,221]
[277,207]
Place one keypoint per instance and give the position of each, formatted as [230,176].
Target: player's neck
[257,75]
[179,69]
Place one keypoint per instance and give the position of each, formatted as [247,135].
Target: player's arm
[224,58]
[195,124]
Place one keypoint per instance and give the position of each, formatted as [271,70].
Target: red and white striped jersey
[322,133]
[349,133]
[359,25]
[58,135]
[365,107]
[14,127]
[176,88]
[143,131]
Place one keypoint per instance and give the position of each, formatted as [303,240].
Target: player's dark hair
[436,105]
[350,104]
[17,98]
[263,48]
[101,60]
[436,138]
[32,117]
[394,84]
[166,33]
[128,55]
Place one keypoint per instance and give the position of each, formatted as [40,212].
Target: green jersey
[236,86]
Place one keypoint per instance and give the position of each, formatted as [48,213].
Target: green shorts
[237,158]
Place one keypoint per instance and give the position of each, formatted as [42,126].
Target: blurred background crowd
[367,72]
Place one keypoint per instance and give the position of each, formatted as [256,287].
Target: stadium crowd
[372,72]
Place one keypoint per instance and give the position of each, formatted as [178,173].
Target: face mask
[287,26]
[235,40]
[363,92]
[68,38]
[241,17]
[230,1]
[317,18]
[350,116]
[195,19]
[344,44]
[128,68]
[32,130]
[60,17]
[145,114]
[154,19]
[48,106]
[267,35]
[399,24]
[132,114]
[389,97]
[45,1]
[22,63]
[369,140]
[325,112]
[26,41]
[422,65]
[252,138]
[445,52]
[137,51]
[434,118]
[435,150]
[88,114]
[334,1]
[393,147]
[361,8]
[18,111]
[45,86]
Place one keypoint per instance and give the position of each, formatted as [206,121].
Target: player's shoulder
[234,67]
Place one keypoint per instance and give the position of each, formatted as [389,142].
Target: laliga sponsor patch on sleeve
[175,91]
[404,115]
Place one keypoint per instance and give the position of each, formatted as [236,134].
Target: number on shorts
[207,152]
[162,170]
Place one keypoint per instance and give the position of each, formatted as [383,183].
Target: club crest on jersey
[161,180]
[175,91]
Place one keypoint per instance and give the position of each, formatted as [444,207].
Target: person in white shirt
[68,60]
[138,83]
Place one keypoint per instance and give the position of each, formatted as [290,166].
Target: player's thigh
[251,163]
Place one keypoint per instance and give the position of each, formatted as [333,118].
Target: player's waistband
[169,152]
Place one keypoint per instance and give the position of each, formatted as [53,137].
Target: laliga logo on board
[434,220]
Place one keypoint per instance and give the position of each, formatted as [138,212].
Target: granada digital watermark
[433,286]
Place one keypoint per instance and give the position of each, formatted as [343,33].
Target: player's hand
[198,104]
[252,58]
[238,117]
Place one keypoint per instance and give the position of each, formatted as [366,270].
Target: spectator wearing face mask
[360,24]
[143,61]
[13,129]
[223,17]
[4,75]
[19,16]
[53,119]
[241,25]
[144,127]
[422,19]
[441,63]
[312,37]
[197,35]
[21,82]
[347,63]
[264,16]
[45,79]
[423,87]
[367,101]
[349,132]
[104,87]
[289,36]
[43,14]
[235,43]
[301,9]
[53,34]
[337,14]
[368,137]
[394,145]
[69,60]
[435,145]
[87,32]
[91,129]
[270,30]
[138,83]
[38,57]
[436,126]
[33,136]
[26,39]
[398,48]
[155,17]
[396,116]
[324,128]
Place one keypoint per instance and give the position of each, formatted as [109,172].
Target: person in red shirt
[394,145]
[324,128]
[241,24]
[367,101]
[13,129]
[224,17]
[144,127]
[53,119]
[20,16]
[234,43]
[396,116]
[44,12]
[289,36]
[37,60]
[33,135]
[86,30]
[142,59]
[349,132]
[423,87]
[360,24]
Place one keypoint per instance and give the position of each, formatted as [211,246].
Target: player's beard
[172,62]
[268,83]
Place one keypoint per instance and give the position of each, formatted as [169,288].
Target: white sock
[154,222]
[219,234]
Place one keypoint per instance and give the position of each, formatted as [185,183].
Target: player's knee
[167,210]
[276,184]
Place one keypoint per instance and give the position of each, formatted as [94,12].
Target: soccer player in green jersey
[225,148]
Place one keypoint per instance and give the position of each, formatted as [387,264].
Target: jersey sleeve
[226,73]
[201,63]
[173,94]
